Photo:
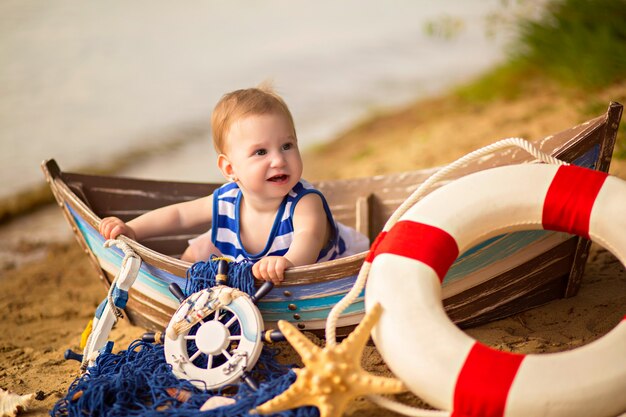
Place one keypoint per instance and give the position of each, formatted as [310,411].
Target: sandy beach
[46,302]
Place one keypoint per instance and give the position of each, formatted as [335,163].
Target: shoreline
[47,301]
[30,199]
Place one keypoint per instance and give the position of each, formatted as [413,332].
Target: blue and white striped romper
[225,230]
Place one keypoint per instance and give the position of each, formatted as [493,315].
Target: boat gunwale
[62,191]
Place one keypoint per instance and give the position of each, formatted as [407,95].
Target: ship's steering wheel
[216,335]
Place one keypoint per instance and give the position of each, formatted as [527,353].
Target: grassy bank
[439,130]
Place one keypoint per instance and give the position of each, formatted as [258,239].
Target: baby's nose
[278,160]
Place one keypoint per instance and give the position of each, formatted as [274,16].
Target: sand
[46,302]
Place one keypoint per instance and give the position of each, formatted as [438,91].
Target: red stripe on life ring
[422,242]
[373,249]
[570,198]
[484,382]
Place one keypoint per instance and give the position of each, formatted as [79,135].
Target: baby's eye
[287,146]
[260,152]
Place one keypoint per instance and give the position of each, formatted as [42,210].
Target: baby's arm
[312,231]
[166,220]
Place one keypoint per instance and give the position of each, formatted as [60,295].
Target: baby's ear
[223,163]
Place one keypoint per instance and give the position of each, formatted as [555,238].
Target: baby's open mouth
[278,178]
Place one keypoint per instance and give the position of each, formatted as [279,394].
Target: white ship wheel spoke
[195,356]
[209,363]
[225,353]
[190,337]
[235,337]
[230,322]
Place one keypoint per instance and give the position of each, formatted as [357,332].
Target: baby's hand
[271,268]
[112,227]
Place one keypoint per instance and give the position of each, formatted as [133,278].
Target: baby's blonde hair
[246,102]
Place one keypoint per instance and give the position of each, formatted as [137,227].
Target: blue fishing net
[139,381]
[201,275]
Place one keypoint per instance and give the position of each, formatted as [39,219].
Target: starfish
[332,376]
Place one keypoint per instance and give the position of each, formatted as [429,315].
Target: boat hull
[494,279]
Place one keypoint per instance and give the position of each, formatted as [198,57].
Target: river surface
[89,82]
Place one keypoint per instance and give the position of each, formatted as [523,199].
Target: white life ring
[446,367]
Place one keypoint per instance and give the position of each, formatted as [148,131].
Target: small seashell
[217,401]
[225,298]
[11,404]
[179,394]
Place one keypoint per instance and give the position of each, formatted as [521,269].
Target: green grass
[507,81]
[577,45]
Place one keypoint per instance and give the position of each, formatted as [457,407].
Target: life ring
[446,367]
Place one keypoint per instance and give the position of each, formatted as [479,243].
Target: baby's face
[264,155]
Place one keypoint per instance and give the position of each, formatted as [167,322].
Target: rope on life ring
[442,364]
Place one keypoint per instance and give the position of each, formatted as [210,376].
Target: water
[87,82]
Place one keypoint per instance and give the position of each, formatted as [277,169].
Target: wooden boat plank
[496,297]
[310,315]
[305,304]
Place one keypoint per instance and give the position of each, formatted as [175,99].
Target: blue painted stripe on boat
[114,256]
[590,158]
[149,275]
[305,305]
[320,314]
[324,288]
[493,250]
[478,247]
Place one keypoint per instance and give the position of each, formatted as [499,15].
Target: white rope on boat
[359,284]
[445,171]
[117,313]
[128,253]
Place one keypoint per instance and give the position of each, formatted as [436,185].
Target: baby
[265,213]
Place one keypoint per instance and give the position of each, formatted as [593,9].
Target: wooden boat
[499,277]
